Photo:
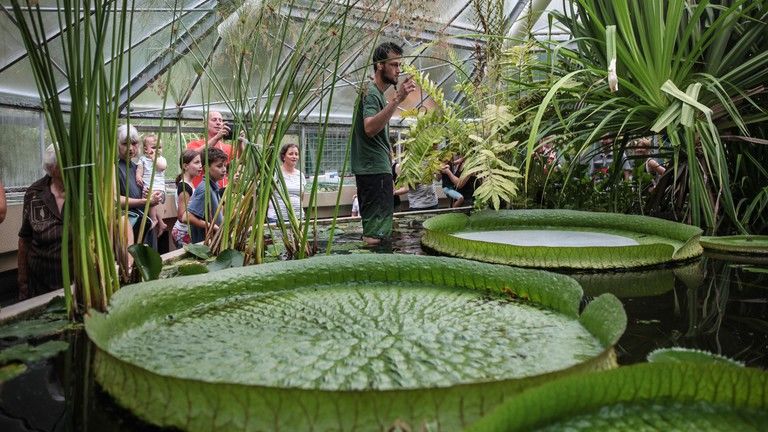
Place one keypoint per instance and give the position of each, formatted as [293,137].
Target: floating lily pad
[562,239]
[655,396]
[748,249]
[189,269]
[199,250]
[11,371]
[344,343]
[226,259]
[746,244]
[36,328]
[29,354]
[681,355]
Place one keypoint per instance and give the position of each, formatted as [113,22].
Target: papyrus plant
[84,132]
[285,55]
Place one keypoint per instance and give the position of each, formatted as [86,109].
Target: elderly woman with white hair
[39,257]
[129,191]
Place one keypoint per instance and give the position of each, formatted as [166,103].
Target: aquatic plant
[691,73]
[84,129]
[744,244]
[346,343]
[682,396]
[649,241]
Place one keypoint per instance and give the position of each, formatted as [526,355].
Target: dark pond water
[711,304]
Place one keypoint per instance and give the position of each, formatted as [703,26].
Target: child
[200,214]
[191,167]
[451,173]
[144,172]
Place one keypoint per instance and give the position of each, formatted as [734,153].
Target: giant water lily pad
[655,396]
[345,343]
[562,239]
[746,244]
[752,249]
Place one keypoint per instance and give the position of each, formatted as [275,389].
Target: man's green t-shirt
[370,155]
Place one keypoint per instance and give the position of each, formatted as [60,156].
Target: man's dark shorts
[374,194]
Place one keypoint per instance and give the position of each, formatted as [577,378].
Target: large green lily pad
[655,396]
[738,248]
[751,244]
[358,342]
[562,239]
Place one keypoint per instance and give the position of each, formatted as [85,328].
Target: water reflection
[723,309]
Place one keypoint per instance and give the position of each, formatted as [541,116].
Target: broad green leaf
[394,339]
[31,353]
[683,355]
[192,269]
[655,396]
[147,260]
[199,250]
[8,372]
[33,329]
[747,244]
[226,259]
[650,241]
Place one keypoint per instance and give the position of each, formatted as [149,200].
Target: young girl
[144,176]
[191,167]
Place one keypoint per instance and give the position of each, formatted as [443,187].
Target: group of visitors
[603,159]
[197,201]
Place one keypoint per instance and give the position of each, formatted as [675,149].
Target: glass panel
[334,150]
[21,163]
[19,80]
[12,45]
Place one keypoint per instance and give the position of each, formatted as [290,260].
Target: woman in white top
[191,167]
[294,184]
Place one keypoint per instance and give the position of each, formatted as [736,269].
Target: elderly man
[129,191]
[42,226]
[217,129]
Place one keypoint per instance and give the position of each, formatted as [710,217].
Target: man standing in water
[370,143]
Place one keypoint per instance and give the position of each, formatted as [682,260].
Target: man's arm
[200,223]
[376,123]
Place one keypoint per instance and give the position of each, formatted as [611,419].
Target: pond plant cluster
[400,342]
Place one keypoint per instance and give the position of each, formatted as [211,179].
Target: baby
[144,176]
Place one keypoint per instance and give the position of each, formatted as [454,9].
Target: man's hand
[407,87]
[223,130]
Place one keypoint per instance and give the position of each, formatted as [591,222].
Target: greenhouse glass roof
[178,46]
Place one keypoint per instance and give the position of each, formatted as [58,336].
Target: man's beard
[389,80]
